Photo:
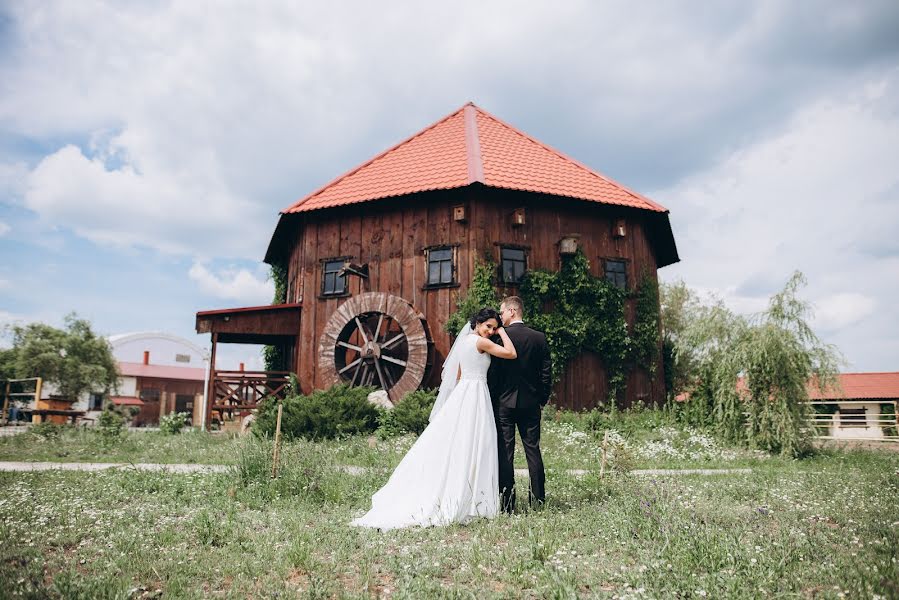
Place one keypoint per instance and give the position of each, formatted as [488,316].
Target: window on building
[333,284]
[514,264]
[95,402]
[616,272]
[441,265]
[150,395]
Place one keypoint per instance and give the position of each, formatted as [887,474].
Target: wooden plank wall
[390,236]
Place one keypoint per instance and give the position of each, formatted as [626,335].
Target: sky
[147,147]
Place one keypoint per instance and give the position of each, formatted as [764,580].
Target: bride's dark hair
[483,315]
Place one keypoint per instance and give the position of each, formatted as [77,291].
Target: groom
[519,389]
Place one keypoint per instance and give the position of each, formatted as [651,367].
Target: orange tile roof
[468,146]
[860,386]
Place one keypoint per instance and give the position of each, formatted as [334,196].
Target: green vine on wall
[578,312]
[480,293]
[273,356]
[645,335]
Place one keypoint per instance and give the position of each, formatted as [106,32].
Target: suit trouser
[527,421]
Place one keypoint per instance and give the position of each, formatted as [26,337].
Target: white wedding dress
[451,473]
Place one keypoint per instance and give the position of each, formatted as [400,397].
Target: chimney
[241,367]
[146,357]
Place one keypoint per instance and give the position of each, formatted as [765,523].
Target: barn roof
[860,386]
[470,146]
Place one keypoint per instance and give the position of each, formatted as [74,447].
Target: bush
[47,430]
[339,411]
[110,425]
[173,423]
[410,415]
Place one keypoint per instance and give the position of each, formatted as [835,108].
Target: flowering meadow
[823,527]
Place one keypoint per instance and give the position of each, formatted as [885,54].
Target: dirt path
[194,468]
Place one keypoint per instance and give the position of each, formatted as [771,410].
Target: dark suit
[519,389]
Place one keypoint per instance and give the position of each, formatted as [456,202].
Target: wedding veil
[450,371]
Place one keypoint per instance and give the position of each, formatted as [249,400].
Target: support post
[277,454]
[605,443]
[4,417]
[210,386]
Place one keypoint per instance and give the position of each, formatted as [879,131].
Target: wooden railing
[242,391]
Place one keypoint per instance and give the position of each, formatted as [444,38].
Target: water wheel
[376,339]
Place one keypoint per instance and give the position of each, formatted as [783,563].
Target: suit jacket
[525,382]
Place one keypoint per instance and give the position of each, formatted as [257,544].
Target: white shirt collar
[517,321]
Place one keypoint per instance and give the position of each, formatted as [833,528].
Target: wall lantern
[568,244]
[459,215]
[619,229]
[518,217]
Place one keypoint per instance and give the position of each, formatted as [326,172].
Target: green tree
[749,376]
[74,359]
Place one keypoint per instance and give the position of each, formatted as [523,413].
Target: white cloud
[127,206]
[821,197]
[841,310]
[233,284]
[4,228]
[218,123]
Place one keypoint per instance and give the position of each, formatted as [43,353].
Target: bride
[450,475]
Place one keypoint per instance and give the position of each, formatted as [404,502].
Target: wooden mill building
[376,258]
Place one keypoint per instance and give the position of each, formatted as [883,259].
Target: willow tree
[752,374]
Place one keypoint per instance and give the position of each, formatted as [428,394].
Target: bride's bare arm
[507,350]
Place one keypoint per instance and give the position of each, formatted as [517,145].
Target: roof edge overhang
[281,322]
[659,221]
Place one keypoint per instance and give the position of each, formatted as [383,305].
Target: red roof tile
[468,146]
[860,386]
[162,371]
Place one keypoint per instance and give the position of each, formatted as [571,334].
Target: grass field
[822,527]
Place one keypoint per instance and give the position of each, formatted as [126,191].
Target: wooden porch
[233,394]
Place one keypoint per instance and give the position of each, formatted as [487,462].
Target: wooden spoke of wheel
[378,328]
[361,330]
[393,340]
[395,361]
[350,366]
[381,378]
[350,346]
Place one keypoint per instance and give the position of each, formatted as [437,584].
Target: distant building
[863,406]
[160,373]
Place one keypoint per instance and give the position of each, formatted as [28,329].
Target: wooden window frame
[502,277]
[605,271]
[346,284]
[454,264]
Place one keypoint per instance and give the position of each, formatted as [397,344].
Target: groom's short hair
[514,302]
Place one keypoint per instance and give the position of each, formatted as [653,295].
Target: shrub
[173,423]
[410,415]
[338,411]
[47,430]
[110,425]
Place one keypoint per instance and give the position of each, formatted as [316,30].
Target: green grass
[78,444]
[824,527]
[796,531]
